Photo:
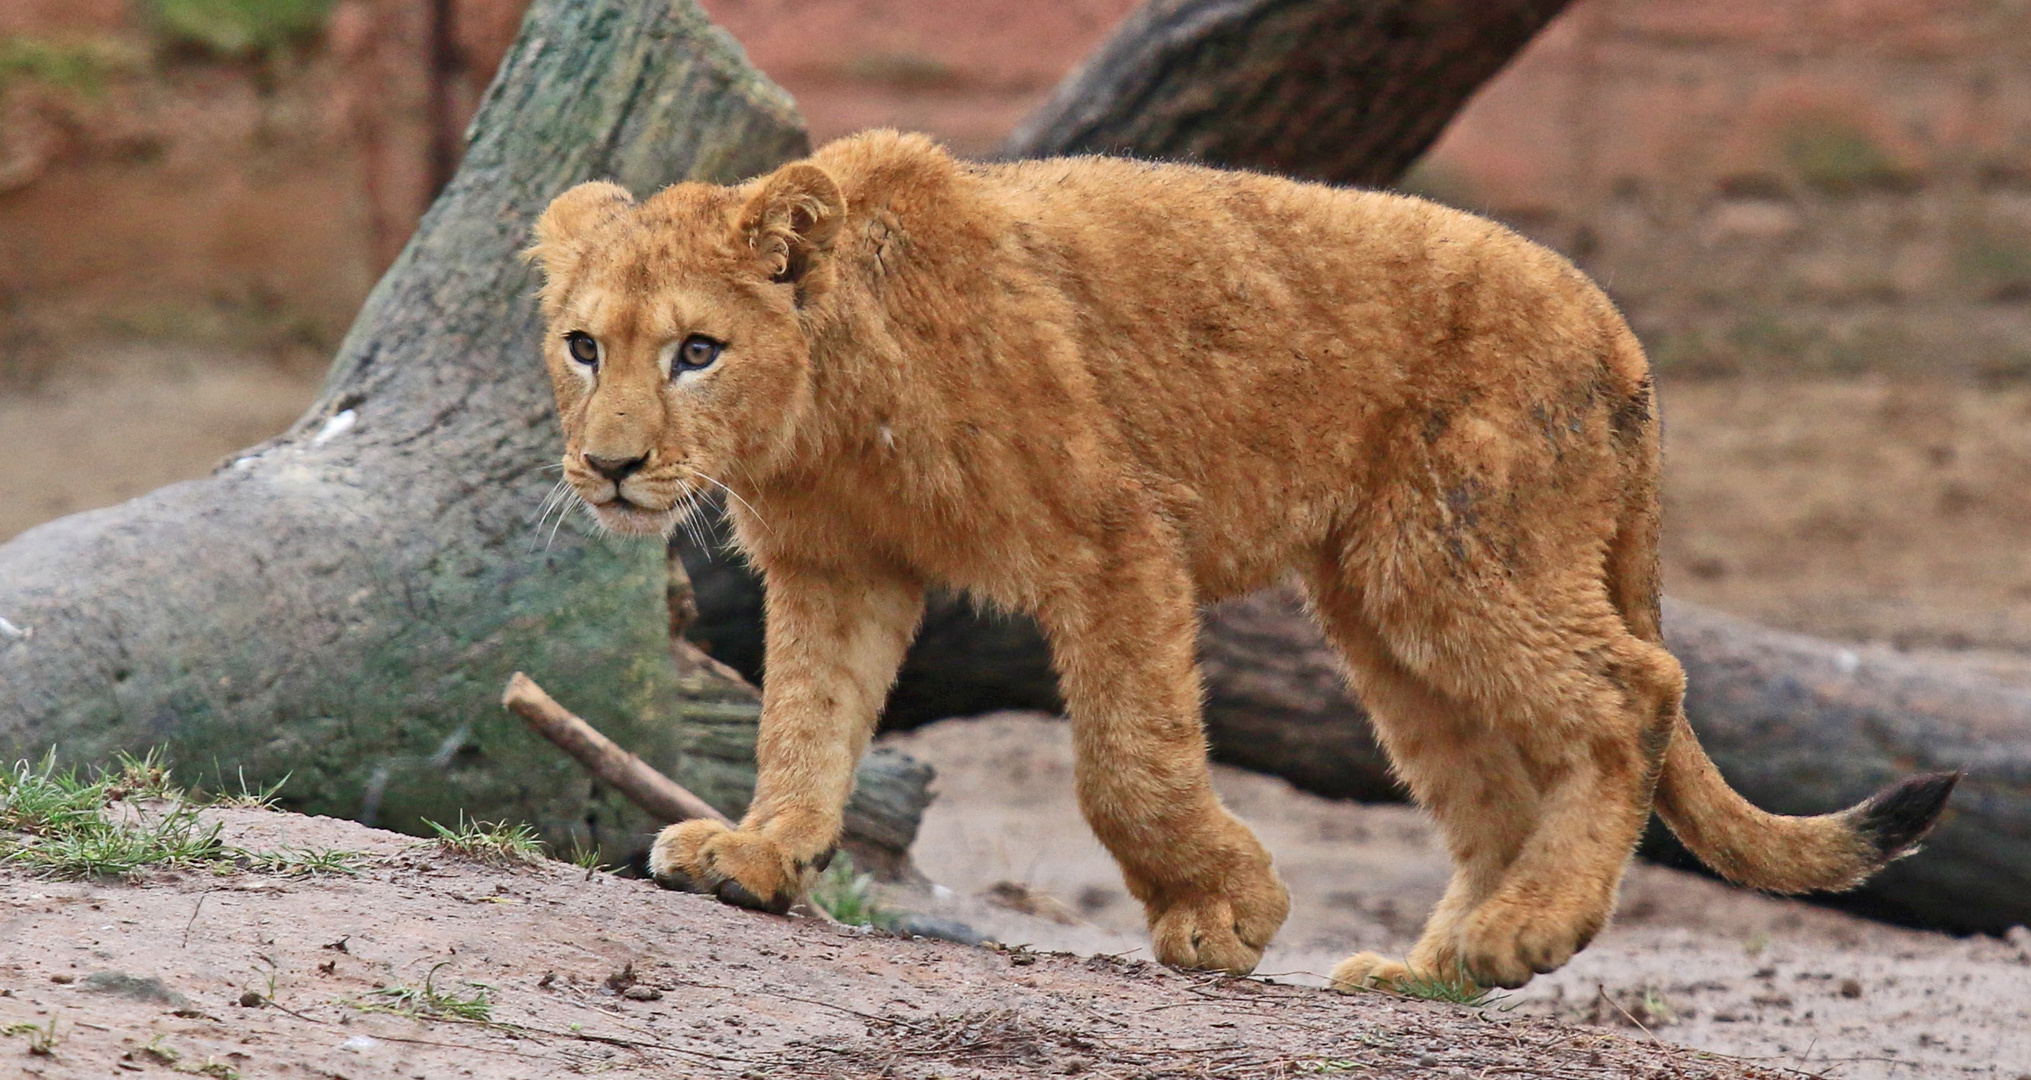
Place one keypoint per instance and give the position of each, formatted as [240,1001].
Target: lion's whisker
[563,511]
[554,501]
[702,474]
[692,521]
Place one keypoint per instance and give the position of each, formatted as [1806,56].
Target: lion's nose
[614,468]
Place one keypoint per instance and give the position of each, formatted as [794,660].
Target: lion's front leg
[1125,645]
[835,640]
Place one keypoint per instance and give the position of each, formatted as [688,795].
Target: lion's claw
[1220,931]
[745,869]
[733,892]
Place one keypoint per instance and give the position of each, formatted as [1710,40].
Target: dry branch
[658,795]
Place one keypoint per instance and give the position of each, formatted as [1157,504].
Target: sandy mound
[257,974]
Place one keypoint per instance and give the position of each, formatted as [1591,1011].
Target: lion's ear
[568,216]
[569,213]
[791,218]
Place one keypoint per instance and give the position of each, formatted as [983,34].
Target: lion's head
[678,340]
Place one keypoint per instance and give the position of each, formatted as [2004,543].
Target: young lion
[1106,392]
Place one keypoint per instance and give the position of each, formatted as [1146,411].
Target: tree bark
[342,604]
[1347,93]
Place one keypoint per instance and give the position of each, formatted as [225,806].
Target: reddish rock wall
[1829,184]
[188,196]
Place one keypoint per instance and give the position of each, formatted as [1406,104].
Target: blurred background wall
[1816,212]
[1838,184]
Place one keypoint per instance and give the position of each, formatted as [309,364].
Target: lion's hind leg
[1451,773]
[1532,733]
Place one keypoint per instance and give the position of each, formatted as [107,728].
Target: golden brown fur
[1107,392]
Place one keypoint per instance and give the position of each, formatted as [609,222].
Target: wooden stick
[661,796]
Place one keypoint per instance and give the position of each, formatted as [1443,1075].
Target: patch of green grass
[585,858]
[239,29]
[60,826]
[175,838]
[1837,158]
[61,823]
[304,862]
[42,1039]
[431,1003]
[494,842]
[1655,1009]
[1459,991]
[849,896]
[1442,990]
[80,67]
[249,798]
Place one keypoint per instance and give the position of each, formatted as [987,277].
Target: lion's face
[675,341]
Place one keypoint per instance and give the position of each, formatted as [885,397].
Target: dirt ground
[255,975]
[1863,509]
[1688,960]
[109,422]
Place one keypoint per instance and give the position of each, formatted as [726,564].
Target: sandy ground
[1688,960]
[111,422]
[1865,509]
[254,975]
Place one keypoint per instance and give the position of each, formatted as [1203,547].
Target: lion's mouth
[622,515]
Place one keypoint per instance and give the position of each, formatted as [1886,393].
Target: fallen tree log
[342,604]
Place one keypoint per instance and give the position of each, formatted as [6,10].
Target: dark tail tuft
[1896,818]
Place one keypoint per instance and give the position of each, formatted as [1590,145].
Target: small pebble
[1851,988]
[642,993]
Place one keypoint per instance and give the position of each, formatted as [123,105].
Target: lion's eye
[698,351]
[582,348]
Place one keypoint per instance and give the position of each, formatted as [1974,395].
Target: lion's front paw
[1504,943]
[742,868]
[1220,930]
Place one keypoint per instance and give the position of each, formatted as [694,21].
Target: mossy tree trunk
[344,603]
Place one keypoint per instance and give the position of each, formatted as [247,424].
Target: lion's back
[1269,354]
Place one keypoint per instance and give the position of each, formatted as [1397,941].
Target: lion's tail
[1781,854]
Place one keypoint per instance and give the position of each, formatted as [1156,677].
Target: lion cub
[1107,392]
